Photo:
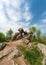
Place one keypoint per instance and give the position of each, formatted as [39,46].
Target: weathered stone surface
[29,35]
[2,45]
[29,46]
[25,32]
[21,30]
[22,34]
[26,41]
[5,61]
[5,52]
[15,36]
[14,53]
[20,60]
[42,47]
[18,37]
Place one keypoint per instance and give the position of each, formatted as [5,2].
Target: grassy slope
[33,56]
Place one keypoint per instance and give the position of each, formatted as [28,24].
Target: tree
[33,29]
[9,34]
[2,37]
[38,33]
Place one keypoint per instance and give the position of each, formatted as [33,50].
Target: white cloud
[43,20]
[27,15]
[12,15]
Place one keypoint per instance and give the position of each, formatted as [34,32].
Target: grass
[34,56]
[39,40]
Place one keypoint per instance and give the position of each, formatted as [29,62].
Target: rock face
[26,41]
[5,61]
[11,51]
[2,45]
[21,30]
[22,34]
[15,36]
[5,52]
[19,35]
[42,47]
[8,54]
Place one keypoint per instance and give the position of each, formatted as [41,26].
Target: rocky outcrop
[5,52]
[5,61]
[14,53]
[21,30]
[2,46]
[23,35]
[11,51]
[26,41]
[42,47]
[8,54]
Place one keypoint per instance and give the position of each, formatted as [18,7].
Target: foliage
[32,29]
[33,39]
[38,33]
[34,56]
[9,34]
[40,40]
[2,37]
[22,48]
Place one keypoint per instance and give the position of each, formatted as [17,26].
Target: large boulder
[15,53]
[22,34]
[29,35]
[25,32]
[21,30]
[2,46]
[15,36]
[6,51]
[26,41]
[19,37]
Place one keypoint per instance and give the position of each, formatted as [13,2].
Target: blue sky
[22,13]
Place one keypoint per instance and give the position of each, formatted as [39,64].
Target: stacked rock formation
[22,34]
[18,35]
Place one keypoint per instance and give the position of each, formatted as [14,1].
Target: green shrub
[40,40]
[34,56]
[33,39]
[2,37]
[9,34]
[22,48]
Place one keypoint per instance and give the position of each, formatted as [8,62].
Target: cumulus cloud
[14,14]
[43,20]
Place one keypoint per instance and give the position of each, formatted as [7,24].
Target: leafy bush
[33,39]
[40,40]
[22,48]
[9,34]
[2,37]
[34,56]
